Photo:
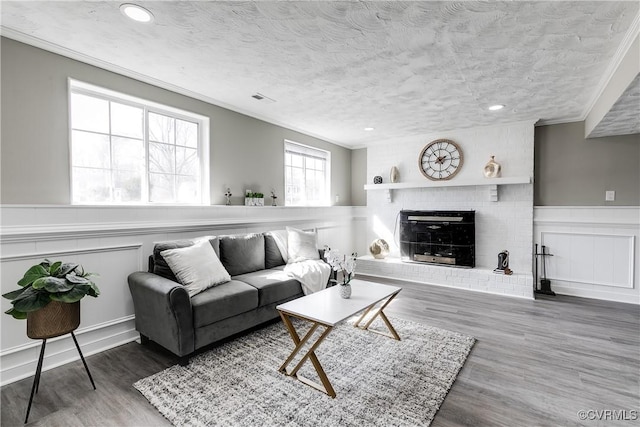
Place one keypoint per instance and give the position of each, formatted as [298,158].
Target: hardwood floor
[536,363]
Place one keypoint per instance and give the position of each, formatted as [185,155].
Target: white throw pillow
[197,267]
[301,245]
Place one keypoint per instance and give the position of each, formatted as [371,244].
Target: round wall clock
[440,159]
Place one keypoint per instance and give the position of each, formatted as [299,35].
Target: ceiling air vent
[260,97]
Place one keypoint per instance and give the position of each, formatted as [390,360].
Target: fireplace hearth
[438,237]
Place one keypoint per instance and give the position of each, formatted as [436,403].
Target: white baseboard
[20,362]
[594,292]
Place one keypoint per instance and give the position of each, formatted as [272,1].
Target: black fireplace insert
[438,237]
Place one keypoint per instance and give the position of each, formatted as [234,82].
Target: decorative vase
[379,248]
[54,319]
[394,175]
[377,179]
[492,168]
[345,290]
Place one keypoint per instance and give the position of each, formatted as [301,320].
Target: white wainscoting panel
[97,315]
[595,250]
[596,259]
[115,241]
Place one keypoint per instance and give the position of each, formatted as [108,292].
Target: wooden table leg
[326,386]
[378,312]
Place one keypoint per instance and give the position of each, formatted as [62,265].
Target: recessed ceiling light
[496,107]
[135,12]
[368,129]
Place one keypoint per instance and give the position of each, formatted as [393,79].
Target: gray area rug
[378,380]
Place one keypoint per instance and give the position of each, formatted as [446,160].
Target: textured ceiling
[334,68]
[624,116]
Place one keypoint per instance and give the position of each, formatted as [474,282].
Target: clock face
[440,159]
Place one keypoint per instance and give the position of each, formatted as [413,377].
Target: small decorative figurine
[377,179]
[273,198]
[228,196]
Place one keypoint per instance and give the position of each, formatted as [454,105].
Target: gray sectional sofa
[167,315]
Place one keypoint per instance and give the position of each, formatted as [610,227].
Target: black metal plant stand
[36,379]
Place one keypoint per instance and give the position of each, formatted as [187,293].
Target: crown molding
[621,52]
[39,43]
[560,121]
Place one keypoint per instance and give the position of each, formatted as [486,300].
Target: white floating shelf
[451,183]
[492,183]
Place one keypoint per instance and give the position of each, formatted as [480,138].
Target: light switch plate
[609,195]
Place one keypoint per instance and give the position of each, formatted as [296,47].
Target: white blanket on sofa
[313,274]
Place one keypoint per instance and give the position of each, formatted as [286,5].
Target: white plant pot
[254,201]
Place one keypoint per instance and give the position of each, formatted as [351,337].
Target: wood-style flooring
[535,363]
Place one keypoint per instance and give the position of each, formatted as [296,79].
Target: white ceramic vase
[492,168]
[394,175]
[345,290]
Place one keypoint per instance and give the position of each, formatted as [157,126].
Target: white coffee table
[326,308]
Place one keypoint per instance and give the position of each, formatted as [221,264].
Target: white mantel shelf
[492,183]
[452,183]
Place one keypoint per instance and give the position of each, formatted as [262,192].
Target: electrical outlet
[337,198]
[609,195]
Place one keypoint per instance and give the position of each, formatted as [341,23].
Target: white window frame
[308,151]
[79,87]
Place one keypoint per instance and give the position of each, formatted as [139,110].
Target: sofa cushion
[273,285]
[197,267]
[272,254]
[223,301]
[242,253]
[160,266]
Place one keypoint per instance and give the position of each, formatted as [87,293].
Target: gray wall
[358,177]
[245,152]
[573,171]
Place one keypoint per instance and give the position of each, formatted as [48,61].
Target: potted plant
[49,298]
[344,264]
[253,199]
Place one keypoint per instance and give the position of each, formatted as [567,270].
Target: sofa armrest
[163,312]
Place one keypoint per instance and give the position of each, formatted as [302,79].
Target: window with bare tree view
[307,172]
[127,150]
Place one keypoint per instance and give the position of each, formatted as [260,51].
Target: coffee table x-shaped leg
[299,342]
[326,386]
[375,312]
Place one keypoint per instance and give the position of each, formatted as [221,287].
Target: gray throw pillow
[242,253]
[272,254]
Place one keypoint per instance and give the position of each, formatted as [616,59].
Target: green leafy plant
[50,281]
